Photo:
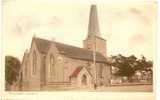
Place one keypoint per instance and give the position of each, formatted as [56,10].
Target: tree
[145,67]
[12,66]
[125,65]
[143,64]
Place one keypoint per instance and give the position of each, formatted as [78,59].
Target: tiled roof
[76,72]
[42,45]
[68,50]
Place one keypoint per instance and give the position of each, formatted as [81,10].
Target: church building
[49,64]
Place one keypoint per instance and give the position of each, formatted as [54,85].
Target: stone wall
[64,67]
[71,64]
[31,81]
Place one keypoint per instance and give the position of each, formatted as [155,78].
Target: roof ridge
[73,46]
[75,52]
[57,42]
[64,44]
[41,39]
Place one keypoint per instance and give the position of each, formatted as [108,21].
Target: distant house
[143,76]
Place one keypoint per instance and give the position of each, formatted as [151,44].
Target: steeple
[93,26]
[93,40]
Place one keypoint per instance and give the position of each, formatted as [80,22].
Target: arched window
[52,65]
[34,62]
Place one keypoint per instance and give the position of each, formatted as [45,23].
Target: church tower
[94,39]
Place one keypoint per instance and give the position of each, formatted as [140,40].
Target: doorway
[84,80]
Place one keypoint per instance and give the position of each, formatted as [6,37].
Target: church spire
[93,26]
[93,40]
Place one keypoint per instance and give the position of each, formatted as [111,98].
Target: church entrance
[84,80]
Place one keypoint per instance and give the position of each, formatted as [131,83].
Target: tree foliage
[127,66]
[124,64]
[12,66]
[143,64]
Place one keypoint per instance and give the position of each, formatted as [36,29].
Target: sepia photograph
[84,47]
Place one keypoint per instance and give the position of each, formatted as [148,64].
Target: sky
[129,28]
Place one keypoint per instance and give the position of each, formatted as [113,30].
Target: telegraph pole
[94,59]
